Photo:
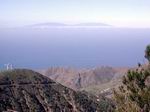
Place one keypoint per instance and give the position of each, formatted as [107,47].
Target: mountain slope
[28,91]
[86,77]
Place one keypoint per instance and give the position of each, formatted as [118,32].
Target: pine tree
[147,53]
[134,93]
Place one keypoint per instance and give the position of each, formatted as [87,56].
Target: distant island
[60,25]
[92,24]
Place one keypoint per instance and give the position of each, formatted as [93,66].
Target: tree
[134,93]
[147,53]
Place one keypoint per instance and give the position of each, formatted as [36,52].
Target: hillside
[83,78]
[24,90]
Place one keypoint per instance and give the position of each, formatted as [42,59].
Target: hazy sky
[124,13]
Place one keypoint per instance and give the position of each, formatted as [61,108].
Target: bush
[134,94]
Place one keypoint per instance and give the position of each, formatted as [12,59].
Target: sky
[119,13]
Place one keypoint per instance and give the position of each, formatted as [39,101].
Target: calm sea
[75,47]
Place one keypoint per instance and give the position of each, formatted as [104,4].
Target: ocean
[73,47]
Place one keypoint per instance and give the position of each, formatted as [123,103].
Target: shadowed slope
[28,91]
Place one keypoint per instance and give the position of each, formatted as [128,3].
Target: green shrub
[134,94]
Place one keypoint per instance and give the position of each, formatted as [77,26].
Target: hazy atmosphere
[87,33]
[119,13]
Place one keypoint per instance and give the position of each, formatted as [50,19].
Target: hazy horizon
[129,13]
[97,32]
